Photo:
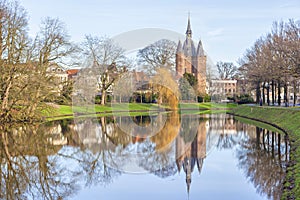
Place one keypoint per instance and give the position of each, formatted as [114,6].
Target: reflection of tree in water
[102,154]
[189,147]
[142,120]
[36,165]
[226,141]
[95,170]
[222,131]
[166,136]
[160,163]
[158,150]
[166,171]
[26,170]
[260,166]
[42,163]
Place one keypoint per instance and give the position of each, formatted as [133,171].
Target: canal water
[163,156]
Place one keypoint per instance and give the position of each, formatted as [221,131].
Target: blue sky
[226,27]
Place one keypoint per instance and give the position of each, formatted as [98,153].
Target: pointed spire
[188,189]
[189,30]
[179,47]
[200,50]
[178,164]
[188,174]
[188,183]
[199,164]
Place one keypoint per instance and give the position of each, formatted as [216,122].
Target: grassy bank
[65,111]
[287,120]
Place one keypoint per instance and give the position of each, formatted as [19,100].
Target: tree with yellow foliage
[166,87]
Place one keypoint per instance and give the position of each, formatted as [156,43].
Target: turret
[179,47]
[200,51]
[179,59]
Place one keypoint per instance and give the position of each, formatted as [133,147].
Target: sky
[226,27]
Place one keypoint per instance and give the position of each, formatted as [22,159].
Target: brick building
[191,60]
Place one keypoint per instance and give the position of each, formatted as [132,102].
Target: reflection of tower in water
[191,153]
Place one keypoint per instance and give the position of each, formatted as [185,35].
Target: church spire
[200,50]
[189,30]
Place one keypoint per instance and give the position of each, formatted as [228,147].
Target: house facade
[221,89]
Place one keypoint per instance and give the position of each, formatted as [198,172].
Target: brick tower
[191,60]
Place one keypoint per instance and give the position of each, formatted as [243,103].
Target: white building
[221,89]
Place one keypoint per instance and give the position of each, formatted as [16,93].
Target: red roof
[72,72]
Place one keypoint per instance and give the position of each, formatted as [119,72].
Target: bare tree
[108,61]
[292,31]
[273,62]
[226,70]
[13,41]
[25,83]
[252,67]
[51,45]
[159,54]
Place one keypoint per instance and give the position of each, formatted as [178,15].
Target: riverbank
[132,109]
[287,120]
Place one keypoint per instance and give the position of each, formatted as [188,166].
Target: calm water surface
[143,157]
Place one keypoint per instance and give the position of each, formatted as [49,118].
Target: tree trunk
[258,96]
[273,144]
[159,100]
[34,104]
[285,91]
[279,148]
[268,94]
[273,92]
[6,96]
[295,92]
[257,137]
[103,97]
[279,98]
[263,93]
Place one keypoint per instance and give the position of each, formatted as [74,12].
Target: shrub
[245,98]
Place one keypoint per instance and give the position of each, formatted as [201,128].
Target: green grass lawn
[206,106]
[67,111]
